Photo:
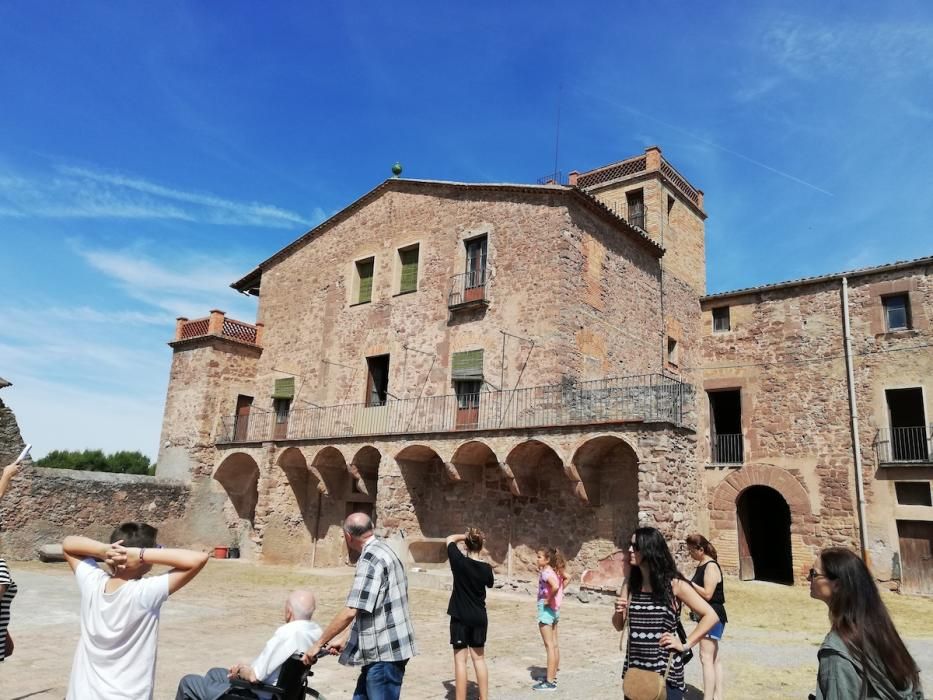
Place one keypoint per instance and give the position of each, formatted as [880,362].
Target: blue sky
[151,153]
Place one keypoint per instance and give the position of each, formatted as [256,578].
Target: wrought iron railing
[904,445]
[467,287]
[648,398]
[727,449]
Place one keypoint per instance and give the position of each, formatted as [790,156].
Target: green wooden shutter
[284,388]
[467,365]
[365,270]
[409,259]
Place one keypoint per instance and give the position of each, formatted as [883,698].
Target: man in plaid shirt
[381,638]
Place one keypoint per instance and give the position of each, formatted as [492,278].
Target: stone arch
[297,500]
[426,513]
[330,465]
[470,461]
[238,473]
[724,522]
[607,466]
[531,464]
[364,481]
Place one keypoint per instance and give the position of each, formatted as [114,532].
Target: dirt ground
[227,614]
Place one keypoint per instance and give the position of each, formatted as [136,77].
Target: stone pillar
[179,326]
[572,178]
[652,158]
[700,198]
[260,327]
[215,325]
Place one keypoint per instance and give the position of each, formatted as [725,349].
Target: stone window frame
[749,432]
[460,255]
[885,300]
[397,267]
[354,282]
[907,286]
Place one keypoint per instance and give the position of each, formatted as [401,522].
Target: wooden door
[916,544]
[475,281]
[243,406]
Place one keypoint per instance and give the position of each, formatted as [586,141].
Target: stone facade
[785,354]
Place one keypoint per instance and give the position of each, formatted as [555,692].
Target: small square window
[673,351]
[896,312]
[721,321]
[913,493]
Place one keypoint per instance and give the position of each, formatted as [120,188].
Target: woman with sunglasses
[862,656]
[653,593]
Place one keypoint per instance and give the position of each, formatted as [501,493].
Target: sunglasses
[815,574]
[633,546]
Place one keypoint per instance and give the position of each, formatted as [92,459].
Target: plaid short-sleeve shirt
[382,628]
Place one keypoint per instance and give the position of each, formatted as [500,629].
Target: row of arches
[526,499]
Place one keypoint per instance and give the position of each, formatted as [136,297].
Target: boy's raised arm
[76,548]
[185,563]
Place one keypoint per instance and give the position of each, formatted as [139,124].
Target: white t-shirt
[116,654]
[294,636]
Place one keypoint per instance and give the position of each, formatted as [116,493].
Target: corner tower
[649,193]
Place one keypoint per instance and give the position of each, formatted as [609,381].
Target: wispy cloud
[189,284]
[81,192]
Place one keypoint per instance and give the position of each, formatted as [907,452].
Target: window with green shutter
[364,273]
[284,388]
[408,257]
[467,365]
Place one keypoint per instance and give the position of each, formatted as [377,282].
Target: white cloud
[83,193]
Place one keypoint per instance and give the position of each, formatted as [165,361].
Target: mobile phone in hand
[24,454]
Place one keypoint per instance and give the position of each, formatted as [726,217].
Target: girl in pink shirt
[551,582]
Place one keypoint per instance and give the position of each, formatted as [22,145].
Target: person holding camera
[707,580]
[7,584]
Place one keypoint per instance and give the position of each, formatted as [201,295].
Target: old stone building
[542,360]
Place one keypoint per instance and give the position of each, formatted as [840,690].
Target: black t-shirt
[718,601]
[471,579]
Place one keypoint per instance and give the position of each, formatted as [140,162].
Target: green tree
[124,462]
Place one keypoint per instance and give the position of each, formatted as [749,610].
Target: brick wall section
[785,353]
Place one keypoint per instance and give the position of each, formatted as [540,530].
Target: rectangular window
[721,320]
[476,251]
[635,201]
[725,426]
[909,439]
[896,312]
[672,351]
[364,280]
[408,263]
[913,493]
[377,380]
[467,365]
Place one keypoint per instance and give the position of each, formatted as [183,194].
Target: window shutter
[467,365]
[284,388]
[365,271]
[409,259]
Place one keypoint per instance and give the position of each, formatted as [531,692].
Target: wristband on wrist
[142,555]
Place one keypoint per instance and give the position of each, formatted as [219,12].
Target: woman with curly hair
[467,609]
[863,656]
[653,593]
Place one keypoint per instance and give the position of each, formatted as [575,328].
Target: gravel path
[227,614]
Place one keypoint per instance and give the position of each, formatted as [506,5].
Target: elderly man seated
[296,635]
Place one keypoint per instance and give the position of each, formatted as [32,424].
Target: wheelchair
[292,684]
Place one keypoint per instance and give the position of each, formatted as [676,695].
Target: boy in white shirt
[116,654]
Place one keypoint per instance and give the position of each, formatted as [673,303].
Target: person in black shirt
[707,580]
[467,609]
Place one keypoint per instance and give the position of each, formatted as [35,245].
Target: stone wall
[42,506]
[785,353]
[11,442]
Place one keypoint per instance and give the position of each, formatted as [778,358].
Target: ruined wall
[785,353]
[11,442]
[44,505]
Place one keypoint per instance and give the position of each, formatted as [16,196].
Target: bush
[123,462]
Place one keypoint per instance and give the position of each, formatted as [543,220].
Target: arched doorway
[239,475]
[608,468]
[764,536]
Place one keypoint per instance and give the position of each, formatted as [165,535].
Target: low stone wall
[45,505]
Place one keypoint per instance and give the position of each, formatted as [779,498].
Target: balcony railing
[217,324]
[647,398]
[904,445]
[727,449]
[467,288]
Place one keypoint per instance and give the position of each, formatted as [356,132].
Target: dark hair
[134,535]
[697,541]
[860,618]
[650,543]
[474,539]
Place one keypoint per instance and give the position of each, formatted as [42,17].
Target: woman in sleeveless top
[707,580]
[7,585]
[652,596]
